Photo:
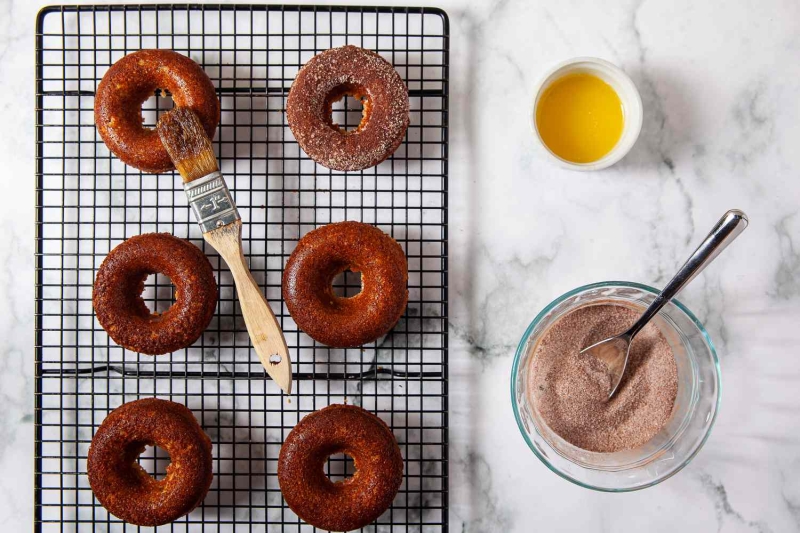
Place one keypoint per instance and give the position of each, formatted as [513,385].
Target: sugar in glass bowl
[680,439]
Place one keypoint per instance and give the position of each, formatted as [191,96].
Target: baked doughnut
[353,502]
[132,80]
[327,251]
[327,78]
[119,284]
[124,488]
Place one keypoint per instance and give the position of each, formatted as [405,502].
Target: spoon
[614,351]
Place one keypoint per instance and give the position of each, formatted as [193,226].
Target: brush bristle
[186,141]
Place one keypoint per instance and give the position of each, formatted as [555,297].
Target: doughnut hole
[154,460]
[340,467]
[159,102]
[347,284]
[348,108]
[157,294]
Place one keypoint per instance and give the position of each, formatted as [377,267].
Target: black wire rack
[88,202]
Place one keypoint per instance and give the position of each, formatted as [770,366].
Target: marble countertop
[720,83]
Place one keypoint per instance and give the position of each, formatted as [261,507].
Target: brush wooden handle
[265,333]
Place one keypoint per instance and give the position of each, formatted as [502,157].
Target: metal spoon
[614,351]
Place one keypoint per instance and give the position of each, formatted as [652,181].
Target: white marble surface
[720,83]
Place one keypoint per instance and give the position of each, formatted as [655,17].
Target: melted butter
[580,118]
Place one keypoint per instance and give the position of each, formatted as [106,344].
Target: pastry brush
[190,149]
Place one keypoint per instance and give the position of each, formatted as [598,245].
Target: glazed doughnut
[351,503]
[132,80]
[327,78]
[327,251]
[124,488]
[120,281]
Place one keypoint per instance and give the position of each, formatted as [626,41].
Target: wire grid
[88,202]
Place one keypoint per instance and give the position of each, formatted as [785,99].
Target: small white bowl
[628,95]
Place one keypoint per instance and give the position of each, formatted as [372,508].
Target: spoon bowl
[614,352]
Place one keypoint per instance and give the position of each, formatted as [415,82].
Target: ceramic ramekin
[628,94]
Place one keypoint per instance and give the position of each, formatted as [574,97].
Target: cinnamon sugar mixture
[570,390]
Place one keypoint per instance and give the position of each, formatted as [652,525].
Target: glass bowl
[680,439]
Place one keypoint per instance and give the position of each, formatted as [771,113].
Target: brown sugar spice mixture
[569,389]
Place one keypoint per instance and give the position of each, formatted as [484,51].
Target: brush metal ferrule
[211,202]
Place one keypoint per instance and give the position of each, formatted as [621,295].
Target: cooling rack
[88,202]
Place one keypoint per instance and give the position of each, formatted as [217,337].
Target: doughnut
[329,250]
[124,488]
[132,80]
[327,78]
[119,284]
[351,503]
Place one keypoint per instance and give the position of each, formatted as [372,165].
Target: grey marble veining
[720,82]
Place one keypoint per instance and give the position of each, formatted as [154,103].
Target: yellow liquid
[580,118]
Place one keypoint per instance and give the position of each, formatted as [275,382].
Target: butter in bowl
[587,114]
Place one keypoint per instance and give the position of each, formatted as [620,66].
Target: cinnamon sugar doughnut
[327,78]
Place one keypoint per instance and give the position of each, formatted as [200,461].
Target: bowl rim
[524,341]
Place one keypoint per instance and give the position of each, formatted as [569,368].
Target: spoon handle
[727,229]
